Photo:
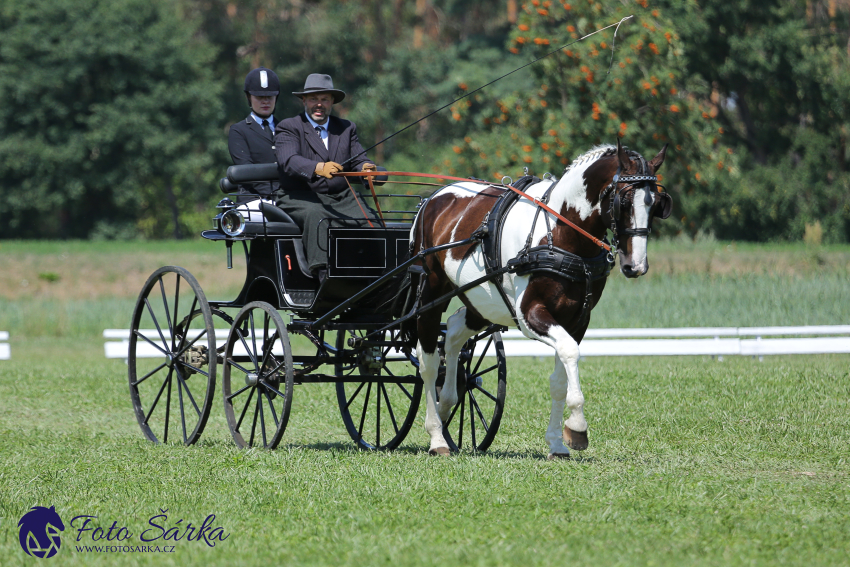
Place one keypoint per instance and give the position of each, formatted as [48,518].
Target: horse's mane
[592,155]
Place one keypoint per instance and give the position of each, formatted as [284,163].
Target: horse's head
[634,199]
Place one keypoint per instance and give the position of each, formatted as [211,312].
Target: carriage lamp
[232,223]
[225,205]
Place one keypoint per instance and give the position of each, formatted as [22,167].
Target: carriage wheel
[378,389]
[172,378]
[475,419]
[257,381]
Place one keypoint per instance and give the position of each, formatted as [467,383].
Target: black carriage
[180,341]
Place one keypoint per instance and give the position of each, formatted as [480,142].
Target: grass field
[692,461]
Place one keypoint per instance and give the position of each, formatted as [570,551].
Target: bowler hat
[317,83]
[262,82]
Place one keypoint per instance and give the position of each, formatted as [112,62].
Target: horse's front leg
[457,333]
[565,389]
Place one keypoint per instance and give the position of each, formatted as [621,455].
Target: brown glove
[327,168]
[369,167]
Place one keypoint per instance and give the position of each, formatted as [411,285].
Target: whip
[498,79]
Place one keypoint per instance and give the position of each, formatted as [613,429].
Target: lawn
[692,461]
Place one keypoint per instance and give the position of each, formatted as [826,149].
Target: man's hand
[327,168]
[369,167]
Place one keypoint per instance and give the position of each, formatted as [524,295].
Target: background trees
[115,112]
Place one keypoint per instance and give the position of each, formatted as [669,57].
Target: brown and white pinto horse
[548,307]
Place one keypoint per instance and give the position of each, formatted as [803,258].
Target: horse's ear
[659,159]
[664,207]
[622,157]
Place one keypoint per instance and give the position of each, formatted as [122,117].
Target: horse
[605,188]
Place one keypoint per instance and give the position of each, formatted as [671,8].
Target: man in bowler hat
[252,140]
[310,148]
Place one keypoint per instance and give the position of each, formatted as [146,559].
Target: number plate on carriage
[366,252]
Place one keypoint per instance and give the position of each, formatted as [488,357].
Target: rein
[537,202]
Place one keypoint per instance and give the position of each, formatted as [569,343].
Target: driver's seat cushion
[278,222]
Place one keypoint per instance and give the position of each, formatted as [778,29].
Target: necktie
[319,132]
[267,126]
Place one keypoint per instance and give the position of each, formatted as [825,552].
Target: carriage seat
[278,223]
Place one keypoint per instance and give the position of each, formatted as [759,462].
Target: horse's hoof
[575,439]
[558,456]
[440,451]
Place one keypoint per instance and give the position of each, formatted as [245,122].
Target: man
[252,140]
[310,148]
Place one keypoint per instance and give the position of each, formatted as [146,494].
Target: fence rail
[5,349]
[683,341]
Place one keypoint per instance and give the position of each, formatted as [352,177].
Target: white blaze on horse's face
[633,261]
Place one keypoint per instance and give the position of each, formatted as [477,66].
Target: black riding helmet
[262,82]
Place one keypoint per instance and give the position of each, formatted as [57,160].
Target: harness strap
[537,202]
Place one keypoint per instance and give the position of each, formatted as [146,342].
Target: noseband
[626,194]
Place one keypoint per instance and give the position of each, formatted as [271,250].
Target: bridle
[619,195]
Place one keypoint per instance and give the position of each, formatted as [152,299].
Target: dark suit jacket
[248,142]
[299,149]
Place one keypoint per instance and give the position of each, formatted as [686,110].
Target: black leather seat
[279,223]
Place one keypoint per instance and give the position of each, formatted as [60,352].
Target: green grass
[692,461]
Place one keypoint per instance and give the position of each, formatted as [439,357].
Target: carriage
[511,256]
[346,330]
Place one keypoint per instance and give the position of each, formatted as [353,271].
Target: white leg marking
[558,391]
[429,364]
[456,335]
[568,354]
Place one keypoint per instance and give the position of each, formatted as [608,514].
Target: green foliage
[109,110]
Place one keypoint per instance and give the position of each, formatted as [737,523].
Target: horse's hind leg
[457,332]
[429,363]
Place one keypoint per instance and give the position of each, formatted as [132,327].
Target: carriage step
[301,297]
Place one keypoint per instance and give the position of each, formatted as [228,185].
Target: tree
[110,113]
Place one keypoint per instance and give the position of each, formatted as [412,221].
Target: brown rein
[538,202]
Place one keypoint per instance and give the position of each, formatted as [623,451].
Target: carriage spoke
[253,338]
[198,370]
[262,420]
[271,407]
[365,407]
[354,395]
[483,353]
[406,393]
[462,405]
[156,323]
[153,344]
[167,407]
[474,402]
[171,326]
[485,371]
[245,409]
[182,347]
[188,392]
[245,344]
[254,423]
[231,363]
[378,416]
[472,423]
[383,388]
[182,411]
[156,400]
[233,395]
[272,388]
[149,374]
[486,393]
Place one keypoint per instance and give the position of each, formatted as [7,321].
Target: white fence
[712,341]
[119,343]
[5,350]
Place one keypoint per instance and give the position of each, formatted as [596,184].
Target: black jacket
[299,148]
[248,142]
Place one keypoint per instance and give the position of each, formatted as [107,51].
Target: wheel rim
[257,381]
[171,375]
[378,390]
[475,419]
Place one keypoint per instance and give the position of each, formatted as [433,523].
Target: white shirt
[324,128]
[260,121]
